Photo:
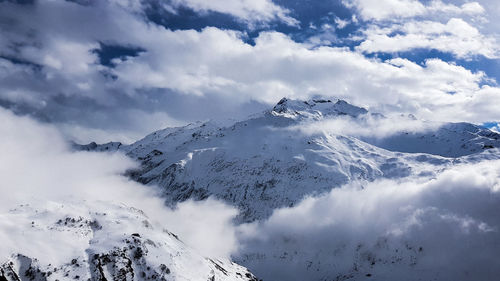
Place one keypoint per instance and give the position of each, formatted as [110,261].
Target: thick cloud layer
[37,168]
[445,228]
[53,67]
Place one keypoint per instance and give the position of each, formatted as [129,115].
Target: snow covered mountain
[115,242]
[448,139]
[267,162]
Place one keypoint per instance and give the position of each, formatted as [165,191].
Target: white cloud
[403,25]
[396,9]
[456,36]
[444,228]
[250,11]
[147,121]
[277,66]
[384,9]
[365,126]
[38,169]
[341,23]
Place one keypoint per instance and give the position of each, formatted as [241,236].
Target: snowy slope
[279,157]
[113,242]
[262,163]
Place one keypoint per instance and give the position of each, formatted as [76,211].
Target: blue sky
[118,69]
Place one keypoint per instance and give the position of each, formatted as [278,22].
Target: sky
[117,70]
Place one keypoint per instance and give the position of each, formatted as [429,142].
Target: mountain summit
[317,107]
[267,162]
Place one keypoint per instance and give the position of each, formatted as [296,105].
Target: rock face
[264,163]
[120,244]
[110,146]
[317,108]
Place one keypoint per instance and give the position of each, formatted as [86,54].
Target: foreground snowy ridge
[103,247]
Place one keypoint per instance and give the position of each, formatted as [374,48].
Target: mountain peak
[316,108]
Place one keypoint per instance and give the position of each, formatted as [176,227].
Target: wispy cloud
[365,126]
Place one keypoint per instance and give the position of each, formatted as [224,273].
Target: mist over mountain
[329,190]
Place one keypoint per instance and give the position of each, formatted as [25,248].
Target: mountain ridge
[113,242]
[263,163]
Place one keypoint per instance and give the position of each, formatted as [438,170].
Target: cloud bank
[398,9]
[395,26]
[51,68]
[38,169]
[444,227]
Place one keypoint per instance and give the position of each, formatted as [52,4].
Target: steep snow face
[261,174]
[260,165]
[113,242]
[265,163]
